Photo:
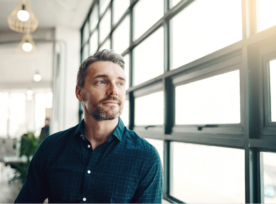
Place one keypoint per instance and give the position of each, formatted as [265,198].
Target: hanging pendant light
[37,76]
[22,18]
[26,45]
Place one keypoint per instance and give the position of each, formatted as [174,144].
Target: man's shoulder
[52,146]
[59,138]
[139,144]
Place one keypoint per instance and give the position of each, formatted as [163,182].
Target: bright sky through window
[215,100]
[266,14]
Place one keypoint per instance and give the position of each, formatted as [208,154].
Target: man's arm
[35,189]
[150,188]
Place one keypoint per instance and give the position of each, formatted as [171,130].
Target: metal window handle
[206,126]
[149,126]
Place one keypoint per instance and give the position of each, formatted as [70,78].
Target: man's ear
[79,93]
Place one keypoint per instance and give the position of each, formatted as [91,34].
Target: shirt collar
[118,132]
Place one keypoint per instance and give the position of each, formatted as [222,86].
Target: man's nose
[113,90]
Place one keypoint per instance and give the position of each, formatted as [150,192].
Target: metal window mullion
[111,24]
[166,164]
[98,24]
[89,34]
[248,113]
[131,96]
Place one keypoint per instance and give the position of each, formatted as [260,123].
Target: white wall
[65,104]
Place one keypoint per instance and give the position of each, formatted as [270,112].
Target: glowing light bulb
[27,47]
[23,15]
[29,92]
[37,77]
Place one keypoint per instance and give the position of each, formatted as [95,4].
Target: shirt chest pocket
[116,186]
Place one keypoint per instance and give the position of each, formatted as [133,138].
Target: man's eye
[121,84]
[101,82]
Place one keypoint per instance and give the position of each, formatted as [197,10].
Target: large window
[201,88]
[220,28]
[105,26]
[268,177]
[217,100]
[12,113]
[120,43]
[197,177]
[148,105]
[146,13]
[148,58]
[266,16]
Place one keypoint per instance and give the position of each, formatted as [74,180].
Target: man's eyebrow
[100,76]
[122,78]
[106,76]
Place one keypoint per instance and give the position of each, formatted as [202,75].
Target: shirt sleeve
[35,188]
[150,188]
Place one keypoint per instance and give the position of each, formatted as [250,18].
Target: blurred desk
[14,160]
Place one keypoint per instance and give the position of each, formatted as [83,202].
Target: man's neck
[98,131]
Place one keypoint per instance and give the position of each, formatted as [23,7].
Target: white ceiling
[50,13]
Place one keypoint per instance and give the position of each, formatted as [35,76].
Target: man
[45,131]
[99,160]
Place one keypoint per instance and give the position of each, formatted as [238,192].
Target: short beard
[100,114]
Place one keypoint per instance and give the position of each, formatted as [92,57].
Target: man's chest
[100,178]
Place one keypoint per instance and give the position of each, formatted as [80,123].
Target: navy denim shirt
[65,168]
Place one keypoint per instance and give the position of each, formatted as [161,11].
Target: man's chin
[106,115]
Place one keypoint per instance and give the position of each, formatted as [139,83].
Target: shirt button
[88,146]
[84,199]
[88,171]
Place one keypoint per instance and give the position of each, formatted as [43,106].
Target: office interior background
[201,87]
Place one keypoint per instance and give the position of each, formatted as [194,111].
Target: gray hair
[104,55]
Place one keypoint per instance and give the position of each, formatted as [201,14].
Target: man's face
[103,94]
[47,122]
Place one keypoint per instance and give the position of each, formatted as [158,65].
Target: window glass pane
[216,27]
[207,174]
[174,2]
[94,18]
[105,26]
[93,42]
[215,100]
[159,145]
[4,104]
[146,14]
[119,8]
[273,89]
[85,32]
[3,128]
[125,115]
[266,17]
[49,100]
[121,36]
[126,58]
[17,114]
[103,5]
[85,52]
[268,172]
[106,45]
[147,111]
[148,58]
[40,112]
